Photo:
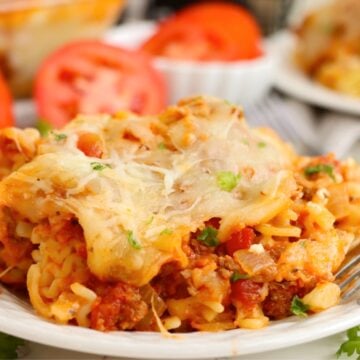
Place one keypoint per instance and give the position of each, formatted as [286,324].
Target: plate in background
[291,80]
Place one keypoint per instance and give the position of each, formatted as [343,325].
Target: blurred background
[272,14]
[273,89]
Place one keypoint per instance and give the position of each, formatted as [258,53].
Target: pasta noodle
[185,221]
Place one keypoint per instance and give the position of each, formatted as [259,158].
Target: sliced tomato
[181,40]
[91,77]
[207,31]
[6,114]
[240,239]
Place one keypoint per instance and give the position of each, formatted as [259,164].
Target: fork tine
[348,278]
[354,261]
[351,291]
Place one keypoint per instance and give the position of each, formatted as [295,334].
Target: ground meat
[119,307]
[170,283]
[277,303]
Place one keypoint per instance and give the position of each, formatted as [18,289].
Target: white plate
[17,318]
[292,81]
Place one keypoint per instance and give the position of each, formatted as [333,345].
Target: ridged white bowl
[242,82]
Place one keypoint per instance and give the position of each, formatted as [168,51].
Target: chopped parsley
[132,241]
[44,127]
[227,180]
[10,346]
[162,146]
[320,168]
[261,144]
[209,237]
[352,344]
[328,28]
[166,232]
[298,308]
[59,137]
[237,276]
[99,166]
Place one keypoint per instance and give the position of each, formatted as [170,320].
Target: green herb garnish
[10,346]
[237,276]
[162,146]
[209,236]
[99,166]
[44,127]
[298,307]
[261,144]
[227,180]
[328,28]
[320,168]
[132,241]
[166,232]
[352,344]
[59,137]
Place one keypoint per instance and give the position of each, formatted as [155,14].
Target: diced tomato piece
[90,144]
[6,115]
[240,239]
[247,292]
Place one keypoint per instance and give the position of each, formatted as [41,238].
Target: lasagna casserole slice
[185,221]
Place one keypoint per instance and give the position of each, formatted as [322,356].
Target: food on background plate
[91,77]
[328,48]
[52,24]
[184,221]
[207,32]
[6,115]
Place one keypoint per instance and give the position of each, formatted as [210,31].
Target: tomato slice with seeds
[6,115]
[92,77]
[181,40]
[215,31]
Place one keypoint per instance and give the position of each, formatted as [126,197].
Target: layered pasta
[184,221]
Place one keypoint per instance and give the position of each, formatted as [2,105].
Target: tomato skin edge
[46,82]
[7,118]
[207,19]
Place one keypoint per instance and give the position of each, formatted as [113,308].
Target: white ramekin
[241,82]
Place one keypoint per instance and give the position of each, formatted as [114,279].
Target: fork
[348,277]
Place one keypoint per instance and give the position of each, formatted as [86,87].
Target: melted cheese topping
[158,182]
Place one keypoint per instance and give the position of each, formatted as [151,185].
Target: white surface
[17,318]
[242,82]
[292,81]
[317,350]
